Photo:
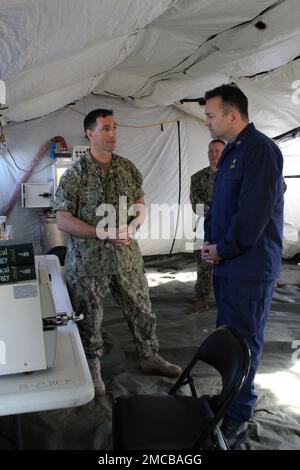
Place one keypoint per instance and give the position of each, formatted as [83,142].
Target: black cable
[179,186]
[22,169]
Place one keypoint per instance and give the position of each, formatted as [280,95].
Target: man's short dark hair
[90,119]
[231,95]
[217,141]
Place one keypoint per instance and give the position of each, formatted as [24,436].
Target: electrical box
[37,195]
[21,331]
[79,150]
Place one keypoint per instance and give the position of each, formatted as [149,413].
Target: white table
[69,383]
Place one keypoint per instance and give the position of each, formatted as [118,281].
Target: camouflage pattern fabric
[201,189]
[201,192]
[284,186]
[130,291]
[204,277]
[93,265]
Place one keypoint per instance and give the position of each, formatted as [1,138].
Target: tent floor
[276,420]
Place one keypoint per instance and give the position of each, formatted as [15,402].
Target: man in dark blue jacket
[243,233]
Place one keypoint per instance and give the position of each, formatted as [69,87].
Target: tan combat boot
[158,366]
[95,370]
[200,305]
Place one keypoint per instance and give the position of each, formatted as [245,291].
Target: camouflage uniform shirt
[201,192]
[82,189]
[201,189]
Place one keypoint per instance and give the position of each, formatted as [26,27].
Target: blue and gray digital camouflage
[93,266]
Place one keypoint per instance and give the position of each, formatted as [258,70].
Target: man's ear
[235,115]
[89,133]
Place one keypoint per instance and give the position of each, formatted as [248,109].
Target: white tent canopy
[153,51]
[142,57]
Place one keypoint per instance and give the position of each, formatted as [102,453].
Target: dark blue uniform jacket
[245,219]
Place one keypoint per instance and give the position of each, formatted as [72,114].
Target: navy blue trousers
[244,305]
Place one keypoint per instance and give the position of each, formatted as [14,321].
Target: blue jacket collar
[237,142]
[243,135]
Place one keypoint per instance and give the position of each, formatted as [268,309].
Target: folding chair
[180,422]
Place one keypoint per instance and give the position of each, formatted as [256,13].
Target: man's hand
[119,236]
[209,253]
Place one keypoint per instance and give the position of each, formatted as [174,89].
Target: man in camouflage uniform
[102,257]
[201,193]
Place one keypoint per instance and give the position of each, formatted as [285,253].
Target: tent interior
[152,61]
[275,424]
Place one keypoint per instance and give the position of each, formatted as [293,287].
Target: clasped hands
[120,236]
[209,253]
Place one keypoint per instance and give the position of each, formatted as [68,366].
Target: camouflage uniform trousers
[204,277]
[130,290]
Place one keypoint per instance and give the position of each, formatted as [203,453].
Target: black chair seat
[160,421]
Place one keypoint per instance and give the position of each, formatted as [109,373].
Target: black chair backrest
[226,351]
